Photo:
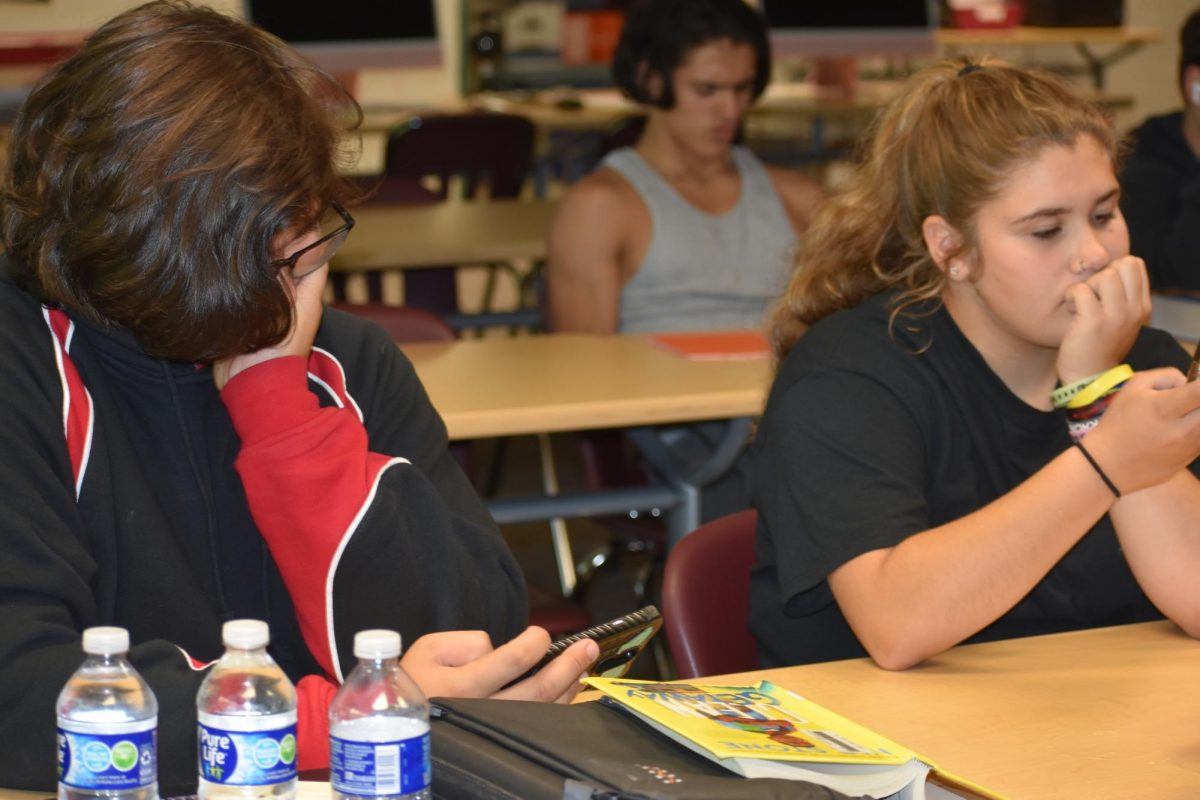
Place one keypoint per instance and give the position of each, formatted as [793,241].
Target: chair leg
[558,526]
[491,486]
[489,288]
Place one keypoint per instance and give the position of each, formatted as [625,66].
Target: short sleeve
[840,470]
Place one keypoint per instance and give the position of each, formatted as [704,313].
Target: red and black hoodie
[316,495]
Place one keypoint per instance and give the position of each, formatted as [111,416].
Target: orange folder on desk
[714,345]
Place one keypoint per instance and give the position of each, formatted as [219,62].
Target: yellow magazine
[766,731]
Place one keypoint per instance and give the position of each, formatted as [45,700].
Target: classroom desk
[389,237]
[1105,713]
[1124,40]
[565,382]
[447,234]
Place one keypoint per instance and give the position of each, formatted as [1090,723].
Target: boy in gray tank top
[683,231]
[704,270]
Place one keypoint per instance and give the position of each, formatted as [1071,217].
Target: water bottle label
[375,769]
[247,751]
[96,758]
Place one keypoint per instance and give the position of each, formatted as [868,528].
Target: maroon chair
[483,148]
[479,148]
[403,323]
[706,598]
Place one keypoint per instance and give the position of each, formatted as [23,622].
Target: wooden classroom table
[1123,40]
[445,234]
[1027,34]
[563,382]
[1104,713]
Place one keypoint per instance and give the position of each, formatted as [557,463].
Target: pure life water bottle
[107,725]
[379,727]
[246,709]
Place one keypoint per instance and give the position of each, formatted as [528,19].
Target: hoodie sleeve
[364,511]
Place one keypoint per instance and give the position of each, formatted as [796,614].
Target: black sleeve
[427,556]
[840,472]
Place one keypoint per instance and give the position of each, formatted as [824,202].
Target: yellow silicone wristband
[1101,386]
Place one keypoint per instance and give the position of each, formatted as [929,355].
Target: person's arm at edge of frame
[583,272]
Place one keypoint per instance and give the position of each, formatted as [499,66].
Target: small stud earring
[955,271]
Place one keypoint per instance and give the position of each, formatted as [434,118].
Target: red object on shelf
[606,31]
[590,37]
[1009,16]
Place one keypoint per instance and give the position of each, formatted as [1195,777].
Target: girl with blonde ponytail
[960,318]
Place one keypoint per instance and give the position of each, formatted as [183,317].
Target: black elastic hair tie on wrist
[1112,487]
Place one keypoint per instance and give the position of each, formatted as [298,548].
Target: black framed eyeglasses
[335,228]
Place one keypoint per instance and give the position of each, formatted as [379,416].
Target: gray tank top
[706,271]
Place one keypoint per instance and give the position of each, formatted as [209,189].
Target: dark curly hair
[658,34]
[150,172]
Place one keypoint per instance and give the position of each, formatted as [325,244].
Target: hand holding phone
[621,640]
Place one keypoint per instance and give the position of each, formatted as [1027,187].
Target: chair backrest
[706,597]
[625,132]
[404,323]
[483,149]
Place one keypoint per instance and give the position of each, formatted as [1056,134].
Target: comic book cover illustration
[763,721]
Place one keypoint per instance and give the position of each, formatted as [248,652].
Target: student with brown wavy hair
[186,435]
[944,456]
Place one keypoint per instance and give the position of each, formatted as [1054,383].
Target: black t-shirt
[1160,200]
[869,437]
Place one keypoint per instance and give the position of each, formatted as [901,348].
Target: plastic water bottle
[246,709]
[379,726]
[107,725]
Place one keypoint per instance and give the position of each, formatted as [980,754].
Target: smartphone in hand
[621,641]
